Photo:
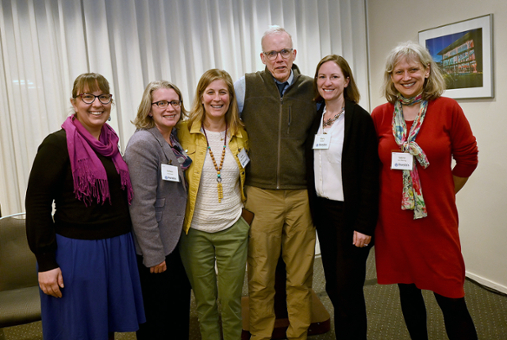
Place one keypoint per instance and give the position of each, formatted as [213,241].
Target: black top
[51,180]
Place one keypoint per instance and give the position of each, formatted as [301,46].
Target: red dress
[425,251]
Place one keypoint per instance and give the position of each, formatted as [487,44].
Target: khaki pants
[283,224]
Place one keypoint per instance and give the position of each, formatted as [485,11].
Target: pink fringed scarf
[90,178]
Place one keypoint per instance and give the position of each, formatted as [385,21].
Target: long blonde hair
[231,116]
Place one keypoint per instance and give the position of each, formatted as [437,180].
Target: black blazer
[360,170]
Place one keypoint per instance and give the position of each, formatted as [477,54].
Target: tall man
[278,110]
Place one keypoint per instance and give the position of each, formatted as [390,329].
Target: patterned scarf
[412,197]
[88,172]
[180,154]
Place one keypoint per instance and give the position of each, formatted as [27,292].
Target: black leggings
[458,322]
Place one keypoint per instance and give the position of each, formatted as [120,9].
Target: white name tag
[243,158]
[322,142]
[402,161]
[170,173]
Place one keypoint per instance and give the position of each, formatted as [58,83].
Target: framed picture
[464,52]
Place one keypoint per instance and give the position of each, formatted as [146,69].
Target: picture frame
[464,52]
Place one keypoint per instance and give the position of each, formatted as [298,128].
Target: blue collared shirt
[240,89]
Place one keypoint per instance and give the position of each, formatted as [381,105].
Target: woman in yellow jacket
[215,232]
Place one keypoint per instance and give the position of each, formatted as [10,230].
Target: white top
[209,215]
[327,164]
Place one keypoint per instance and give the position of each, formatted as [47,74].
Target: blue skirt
[102,292]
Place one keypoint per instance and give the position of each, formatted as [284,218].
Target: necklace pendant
[220,191]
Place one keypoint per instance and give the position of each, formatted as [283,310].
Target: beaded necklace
[330,121]
[218,169]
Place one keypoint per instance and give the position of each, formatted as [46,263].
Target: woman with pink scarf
[85,255]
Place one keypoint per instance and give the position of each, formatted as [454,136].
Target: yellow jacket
[194,143]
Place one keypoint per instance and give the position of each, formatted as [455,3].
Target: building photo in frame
[464,52]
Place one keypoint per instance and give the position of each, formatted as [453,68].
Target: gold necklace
[218,169]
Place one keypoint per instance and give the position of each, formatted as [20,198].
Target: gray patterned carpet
[385,321]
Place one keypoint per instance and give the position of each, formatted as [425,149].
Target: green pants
[229,249]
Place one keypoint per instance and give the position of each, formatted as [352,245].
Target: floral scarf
[412,197]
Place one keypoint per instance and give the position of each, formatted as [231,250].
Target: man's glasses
[273,54]
[164,103]
[89,98]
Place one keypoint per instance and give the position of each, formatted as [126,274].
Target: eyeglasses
[273,54]
[164,103]
[89,98]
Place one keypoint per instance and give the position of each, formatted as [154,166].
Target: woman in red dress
[417,241]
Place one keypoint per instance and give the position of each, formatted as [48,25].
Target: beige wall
[482,203]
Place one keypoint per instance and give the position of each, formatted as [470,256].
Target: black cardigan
[360,170]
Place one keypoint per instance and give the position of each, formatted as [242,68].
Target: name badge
[322,142]
[170,173]
[402,161]
[243,158]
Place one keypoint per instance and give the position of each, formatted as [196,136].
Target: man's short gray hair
[275,29]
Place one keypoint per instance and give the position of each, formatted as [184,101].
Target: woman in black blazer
[343,175]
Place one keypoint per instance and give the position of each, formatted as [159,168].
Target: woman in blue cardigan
[342,169]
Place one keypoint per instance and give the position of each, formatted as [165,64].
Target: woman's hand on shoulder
[51,281]
[159,268]
[361,240]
